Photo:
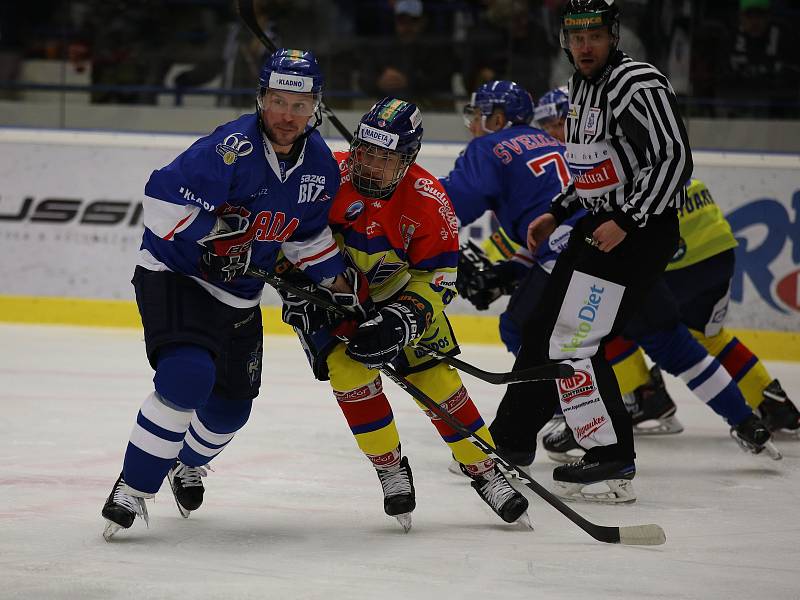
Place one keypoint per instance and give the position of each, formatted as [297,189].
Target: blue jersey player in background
[514,170]
[254,187]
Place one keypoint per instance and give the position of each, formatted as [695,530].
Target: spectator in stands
[761,64]
[411,64]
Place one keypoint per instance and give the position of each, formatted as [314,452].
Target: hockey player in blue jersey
[514,170]
[256,186]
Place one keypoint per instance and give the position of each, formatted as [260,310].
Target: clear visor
[470,113]
[297,104]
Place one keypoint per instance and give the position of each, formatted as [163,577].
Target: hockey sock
[154,444]
[371,421]
[212,428]
[678,353]
[744,367]
[443,385]
[628,361]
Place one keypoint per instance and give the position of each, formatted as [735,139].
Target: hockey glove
[227,248]
[309,317]
[482,282]
[380,340]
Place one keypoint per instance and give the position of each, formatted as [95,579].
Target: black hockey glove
[309,317]
[380,340]
[227,248]
[482,282]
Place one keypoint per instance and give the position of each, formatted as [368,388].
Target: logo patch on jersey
[578,385]
[573,112]
[407,229]
[592,121]
[426,188]
[234,146]
[356,208]
[382,270]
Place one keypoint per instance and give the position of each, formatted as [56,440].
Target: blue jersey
[235,169]
[516,173]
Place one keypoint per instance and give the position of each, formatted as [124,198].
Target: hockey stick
[248,15]
[630,535]
[548,371]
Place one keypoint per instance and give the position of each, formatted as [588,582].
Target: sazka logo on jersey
[382,270]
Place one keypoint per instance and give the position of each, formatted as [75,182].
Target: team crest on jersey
[383,270]
[356,208]
[234,146]
[592,121]
[407,229]
[573,112]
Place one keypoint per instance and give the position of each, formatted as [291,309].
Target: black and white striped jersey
[627,147]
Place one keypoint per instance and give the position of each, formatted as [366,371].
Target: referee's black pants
[627,273]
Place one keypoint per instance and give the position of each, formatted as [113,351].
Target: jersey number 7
[537,165]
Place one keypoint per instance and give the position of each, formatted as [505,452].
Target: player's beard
[282,139]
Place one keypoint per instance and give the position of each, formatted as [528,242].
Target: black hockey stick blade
[632,535]
[549,371]
[248,15]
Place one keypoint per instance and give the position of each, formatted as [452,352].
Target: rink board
[469,328]
[71,220]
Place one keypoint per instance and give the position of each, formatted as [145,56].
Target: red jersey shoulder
[432,204]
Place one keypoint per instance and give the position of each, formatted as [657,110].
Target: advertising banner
[71,217]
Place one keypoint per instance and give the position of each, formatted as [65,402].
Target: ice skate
[187,486]
[398,492]
[560,443]
[122,508]
[777,412]
[651,407]
[754,437]
[494,489]
[603,482]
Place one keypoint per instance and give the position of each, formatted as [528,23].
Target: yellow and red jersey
[407,242]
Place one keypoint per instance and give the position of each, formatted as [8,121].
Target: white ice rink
[293,509]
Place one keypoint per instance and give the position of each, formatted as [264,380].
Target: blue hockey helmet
[385,143]
[511,97]
[294,71]
[553,105]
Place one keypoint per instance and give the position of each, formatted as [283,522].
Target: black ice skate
[504,500]
[777,412]
[589,480]
[398,492]
[121,508]
[560,443]
[651,407]
[754,437]
[187,486]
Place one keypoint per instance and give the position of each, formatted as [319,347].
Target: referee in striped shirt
[629,157]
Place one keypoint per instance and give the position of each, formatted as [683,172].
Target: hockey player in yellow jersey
[394,223]
[699,275]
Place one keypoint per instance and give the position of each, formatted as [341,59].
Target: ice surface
[293,510]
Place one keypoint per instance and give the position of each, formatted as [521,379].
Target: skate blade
[617,491]
[786,434]
[110,530]
[663,426]
[184,513]
[566,457]
[524,522]
[772,451]
[405,521]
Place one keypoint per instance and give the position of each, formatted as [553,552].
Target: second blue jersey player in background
[514,170]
